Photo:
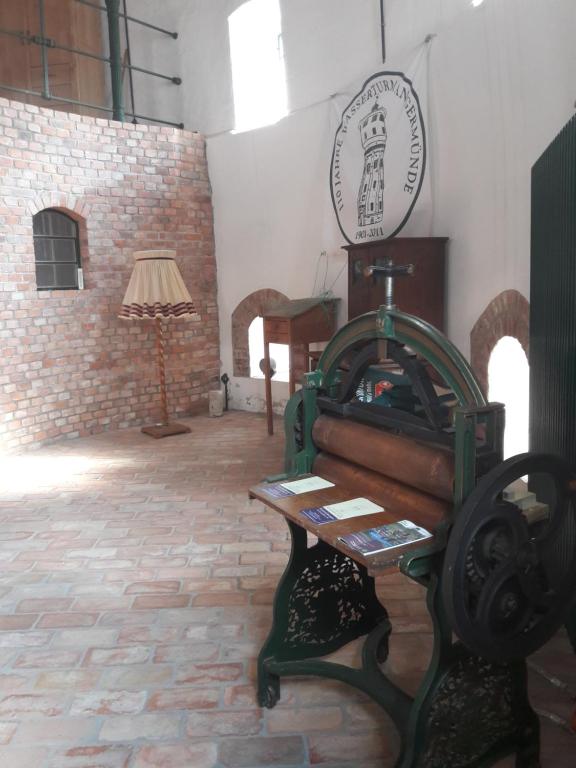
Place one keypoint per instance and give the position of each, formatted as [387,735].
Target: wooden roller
[396,498]
[427,468]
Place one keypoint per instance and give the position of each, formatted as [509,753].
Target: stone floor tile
[21,706]
[24,756]
[185,698]
[281,720]
[53,730]
[197,755]
[262,752]
[137,677]
[68,680]
[45,605]
[61,620]
[7,730]
[86,637]
[44,659]
[201,674]
[152,727]
[23,639]
[97,702]
[20,621]
[188,651]
[114,656]
[232,723]
[377,745]
[157,586]
[94,756]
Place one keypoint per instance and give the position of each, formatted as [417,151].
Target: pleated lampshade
[156,289]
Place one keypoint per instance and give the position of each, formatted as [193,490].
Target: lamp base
[166,430]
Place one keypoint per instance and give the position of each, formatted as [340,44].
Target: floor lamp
[157,292]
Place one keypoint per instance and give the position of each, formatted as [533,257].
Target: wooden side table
[301,321]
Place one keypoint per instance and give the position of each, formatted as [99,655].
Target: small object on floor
[165,430]
[215,402]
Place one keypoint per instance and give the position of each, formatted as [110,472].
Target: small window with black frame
[57,251]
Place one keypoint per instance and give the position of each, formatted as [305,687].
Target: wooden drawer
[277,330]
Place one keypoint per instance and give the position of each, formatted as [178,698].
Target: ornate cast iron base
[324,601]
[468,712]
[476,713]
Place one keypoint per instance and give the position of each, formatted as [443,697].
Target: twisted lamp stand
[165,428]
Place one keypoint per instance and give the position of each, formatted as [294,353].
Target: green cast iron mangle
[497,576]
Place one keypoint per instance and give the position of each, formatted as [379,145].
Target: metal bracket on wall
[383,31]
[117,67]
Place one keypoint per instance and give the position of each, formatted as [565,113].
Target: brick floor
[136,590]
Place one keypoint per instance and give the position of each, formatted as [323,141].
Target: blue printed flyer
[385,537]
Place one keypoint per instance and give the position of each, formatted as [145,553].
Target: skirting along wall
[69,366]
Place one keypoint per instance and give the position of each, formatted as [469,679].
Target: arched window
[57,251]
[258,75]
[508,383]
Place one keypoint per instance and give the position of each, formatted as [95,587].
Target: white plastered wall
[501,85]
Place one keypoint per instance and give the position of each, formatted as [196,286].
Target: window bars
[57,251]
[117,65]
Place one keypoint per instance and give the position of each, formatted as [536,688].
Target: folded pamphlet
[385,537]
[295,487]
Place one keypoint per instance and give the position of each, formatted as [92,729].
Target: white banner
[378,176]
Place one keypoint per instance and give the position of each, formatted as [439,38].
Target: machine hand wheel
[510,566]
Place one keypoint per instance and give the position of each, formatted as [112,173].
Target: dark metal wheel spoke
[530,581]
[503,608]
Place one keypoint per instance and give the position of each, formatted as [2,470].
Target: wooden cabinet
[71,76]
[421,295]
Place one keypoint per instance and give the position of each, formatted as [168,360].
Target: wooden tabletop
[377,564]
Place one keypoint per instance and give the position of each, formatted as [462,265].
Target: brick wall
[68,365]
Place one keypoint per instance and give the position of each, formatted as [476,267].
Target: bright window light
[508,383]
[278,352]
[476,3]
[258,75]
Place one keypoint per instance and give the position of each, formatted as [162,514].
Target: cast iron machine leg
[324,601]
[469,712]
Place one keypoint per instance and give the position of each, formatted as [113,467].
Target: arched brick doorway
[250,307]
[506,315]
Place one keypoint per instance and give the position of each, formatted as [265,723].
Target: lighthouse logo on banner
[379,159]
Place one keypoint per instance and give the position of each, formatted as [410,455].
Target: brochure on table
[385,537]
[341,511]
[295,487]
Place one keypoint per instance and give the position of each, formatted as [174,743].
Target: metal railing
[117,65]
